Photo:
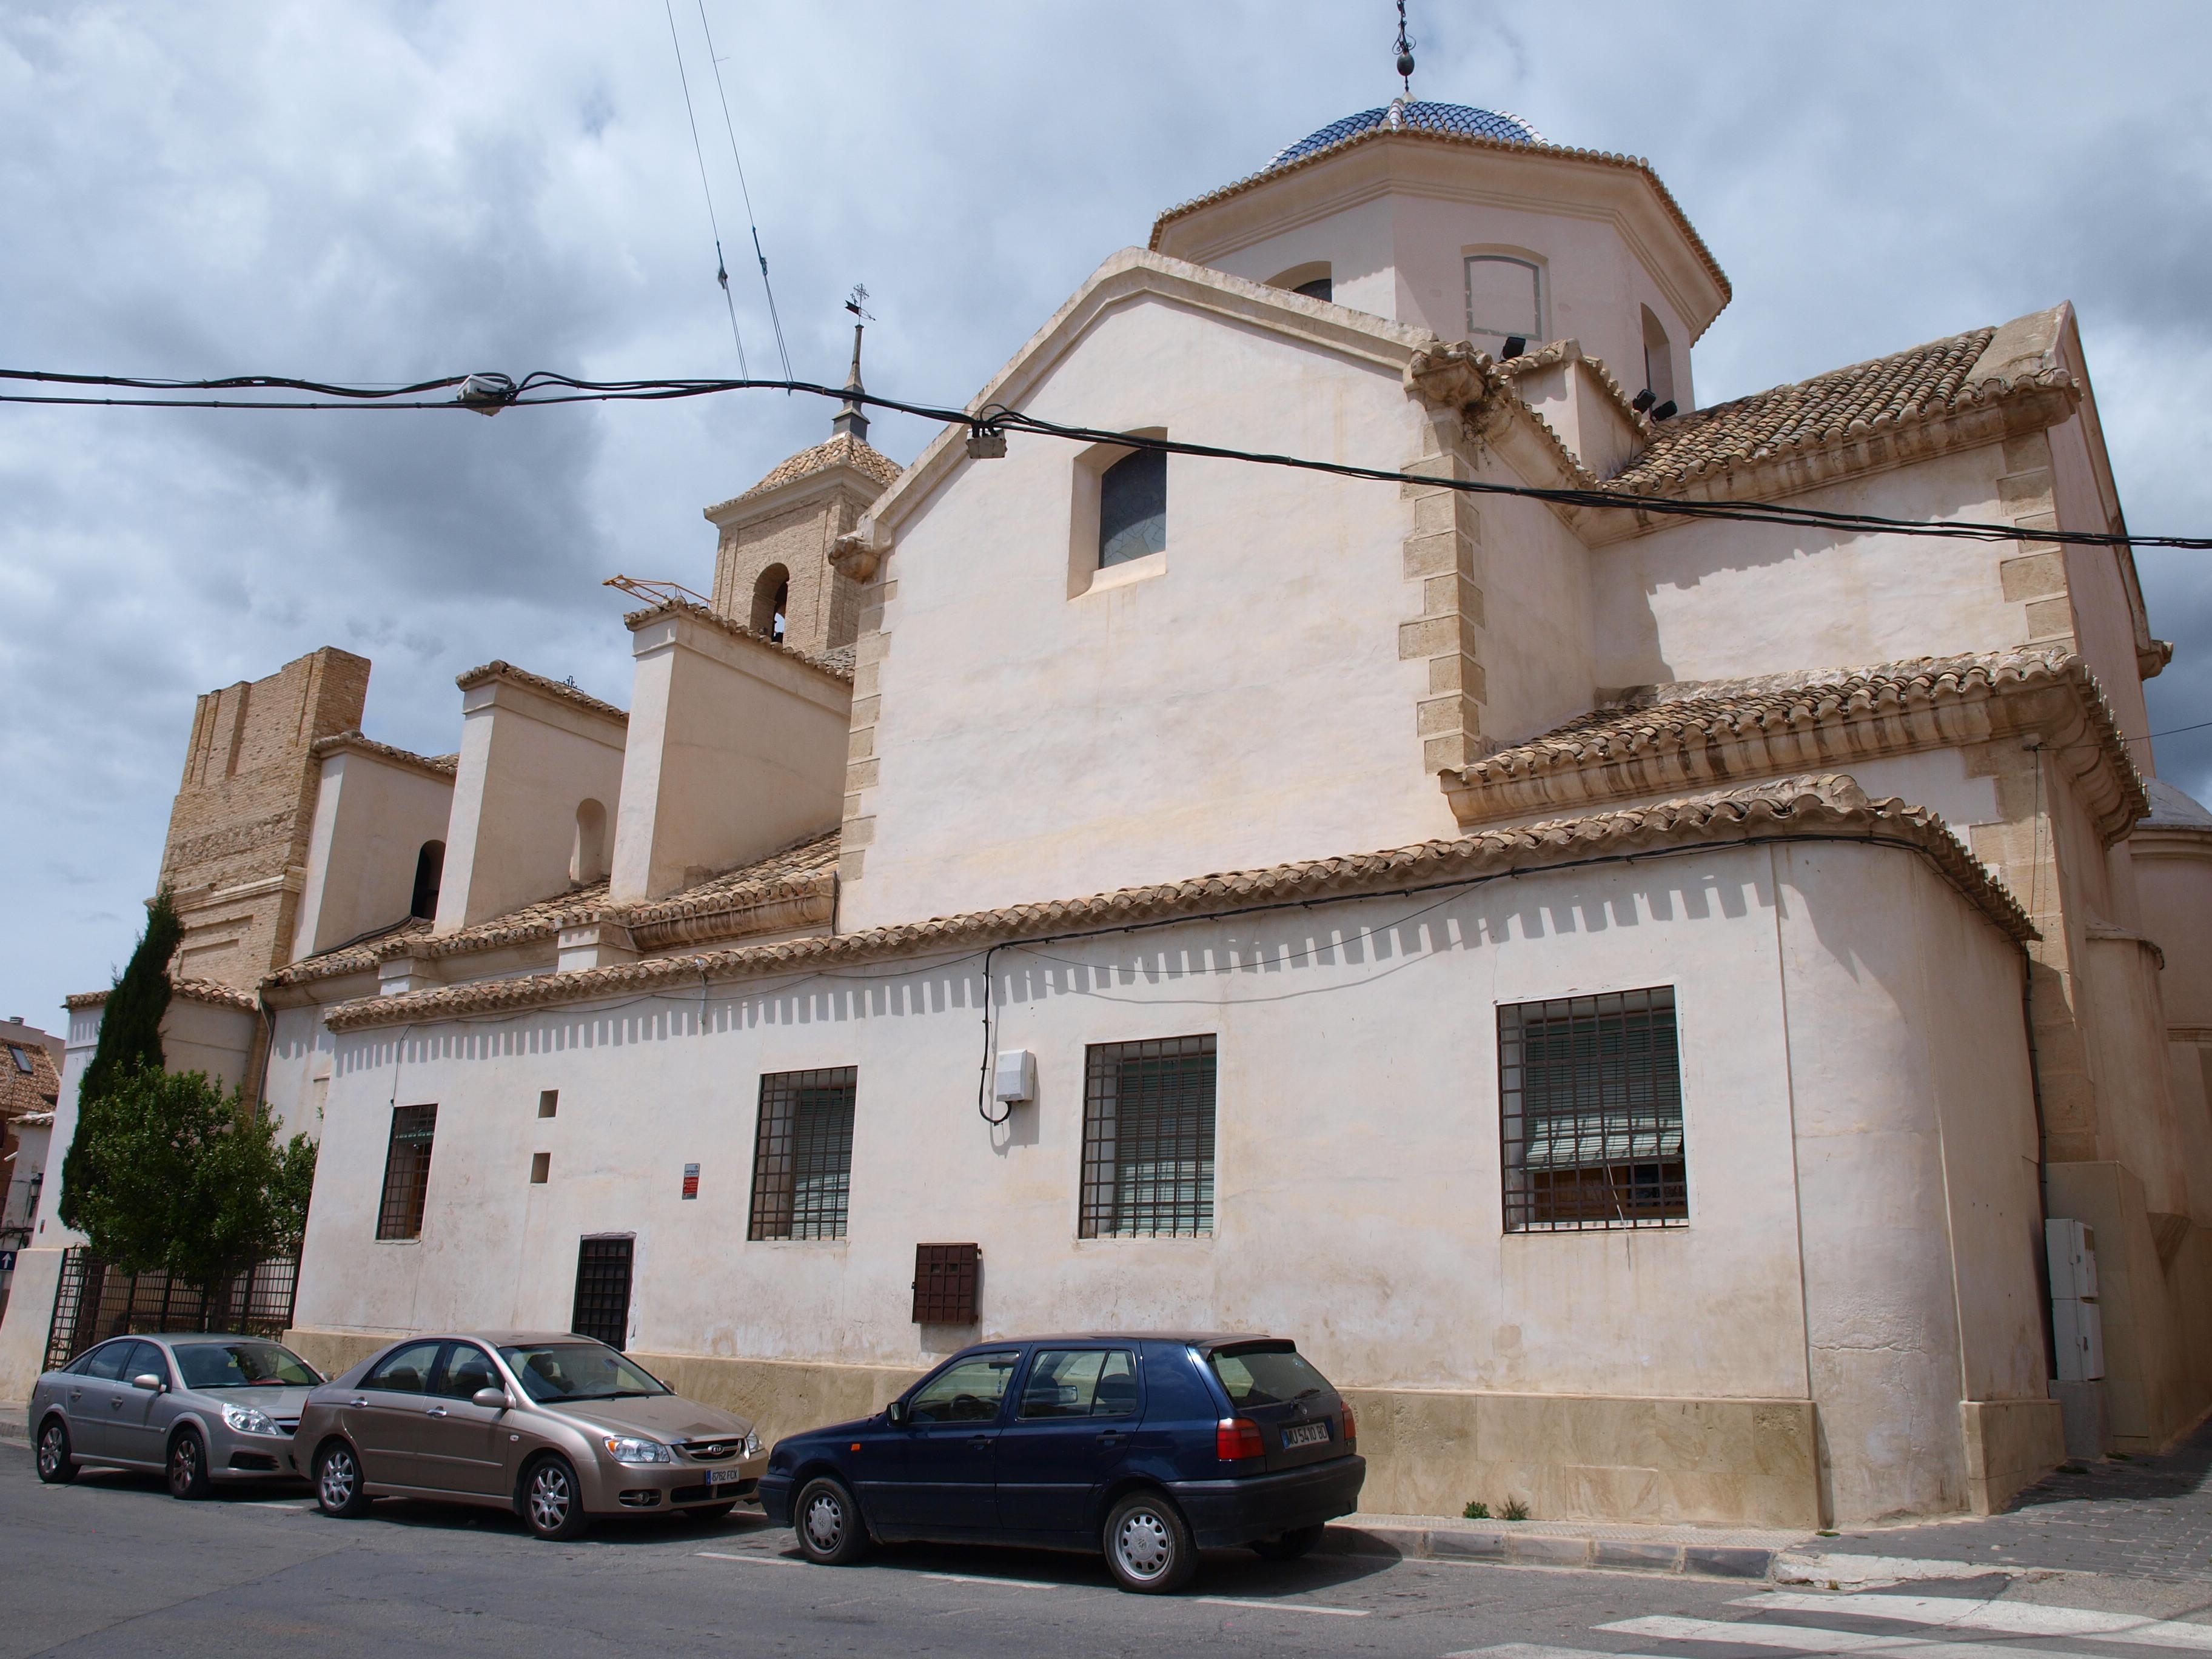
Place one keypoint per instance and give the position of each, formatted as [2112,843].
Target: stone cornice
[1824,808]
[1715,734]
[497,670]
[353,743]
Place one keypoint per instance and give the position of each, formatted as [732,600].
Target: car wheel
[709,1512]
[338,1489]
[188,1474]
[552,1503]
[56,1467]
[828,1523]
[1288,1546]
[1148,1548]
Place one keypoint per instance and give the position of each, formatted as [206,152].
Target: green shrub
[1515,1510]
[1475,1512]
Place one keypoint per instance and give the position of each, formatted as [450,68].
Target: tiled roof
[24,1092]
[354,742]
[1711,733]
[1787,807]
[843,450]
[497,670]
[2173,808]
[206,991]
[1862,400]
[1419,117]
[724,906]
[838,662]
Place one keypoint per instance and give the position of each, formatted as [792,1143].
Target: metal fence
[94,1301]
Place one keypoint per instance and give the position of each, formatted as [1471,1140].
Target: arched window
[430,866]
[1504,300]
[1321,288]
[1314,281]
[1132,507]
[587,859]
[771,602]
[1658,360]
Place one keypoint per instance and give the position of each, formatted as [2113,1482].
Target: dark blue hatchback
[1148,1446]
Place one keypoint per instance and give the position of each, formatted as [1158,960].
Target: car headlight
[246,1419]
[752,1444]
[623,1449]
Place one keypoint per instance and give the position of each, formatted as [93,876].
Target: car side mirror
[492,1399]
[147,1381]
[896,1412]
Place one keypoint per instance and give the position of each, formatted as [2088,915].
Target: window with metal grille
[1590,1113]
[1148,1138]
[602,1310]
[406,1172]
[803,1154]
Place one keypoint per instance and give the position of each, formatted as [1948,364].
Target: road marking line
[1803,1638]
[750,1560]
[2009,1618]
[1790,1568]
[969,1578]
[1539,1650]
[298,1506]
[1281,1607]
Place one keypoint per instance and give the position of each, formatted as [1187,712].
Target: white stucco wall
[372,817]
[1241,704]
[528,759]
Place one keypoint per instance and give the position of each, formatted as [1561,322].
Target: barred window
[1148,1138]
[1590,1112]
[803,1154]
[406,1172]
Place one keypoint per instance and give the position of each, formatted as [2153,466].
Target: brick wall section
[2034,576]
[238,832]
[1442,561]
[823,611]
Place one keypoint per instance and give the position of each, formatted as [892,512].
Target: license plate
[726,1477]
[1306,1434]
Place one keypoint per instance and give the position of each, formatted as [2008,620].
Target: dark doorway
[603,1290]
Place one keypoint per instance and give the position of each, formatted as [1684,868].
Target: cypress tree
[130,1042]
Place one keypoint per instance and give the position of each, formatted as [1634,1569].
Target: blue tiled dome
[1463,118]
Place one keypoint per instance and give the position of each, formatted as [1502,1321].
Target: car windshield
[577,1371]
[243,1365]
[1266,1376]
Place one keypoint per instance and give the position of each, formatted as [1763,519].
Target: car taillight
[1350,1425]
[1235,1437]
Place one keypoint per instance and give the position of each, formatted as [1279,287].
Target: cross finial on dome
[851,419]
[1405,52]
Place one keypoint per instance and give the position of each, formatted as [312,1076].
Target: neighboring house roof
[24,1092]
[497,670]
[729,905]
[1784,808]
[206,991]
[1863,403]
[1417,116]
[1662,739]
[354,743]
[843,450]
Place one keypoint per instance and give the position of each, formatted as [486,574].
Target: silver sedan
[197,1409]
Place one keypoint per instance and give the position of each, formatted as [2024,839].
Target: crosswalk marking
[2007,1618]
[1281,1607]
[1806,1639]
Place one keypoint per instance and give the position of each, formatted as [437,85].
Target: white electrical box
[2072,1246]
[1015,1079]
[2080,1326]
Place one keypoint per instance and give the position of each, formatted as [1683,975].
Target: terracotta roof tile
[1884,392]
[838,662]
[354,742]
[24,1092]
[205,991]
[1803,807]
[843,450]
[497,670]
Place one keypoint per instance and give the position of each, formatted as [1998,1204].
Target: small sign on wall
[690,1181]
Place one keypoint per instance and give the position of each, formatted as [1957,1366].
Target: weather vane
[858,298]
[1405,52]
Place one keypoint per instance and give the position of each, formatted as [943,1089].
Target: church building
[1626,988]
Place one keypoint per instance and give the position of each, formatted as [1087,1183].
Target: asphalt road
[114,1565]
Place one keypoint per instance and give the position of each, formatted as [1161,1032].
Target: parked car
[200,1408]
[1146,1447]
[559,1428]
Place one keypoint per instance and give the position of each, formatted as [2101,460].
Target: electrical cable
[721,265]
[489,393]
[743,190]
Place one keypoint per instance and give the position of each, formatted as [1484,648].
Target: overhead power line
[489,393]
[721,265]
[752,221]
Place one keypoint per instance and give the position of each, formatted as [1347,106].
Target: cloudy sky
[382,192]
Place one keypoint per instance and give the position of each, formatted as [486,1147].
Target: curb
[1526,1549]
